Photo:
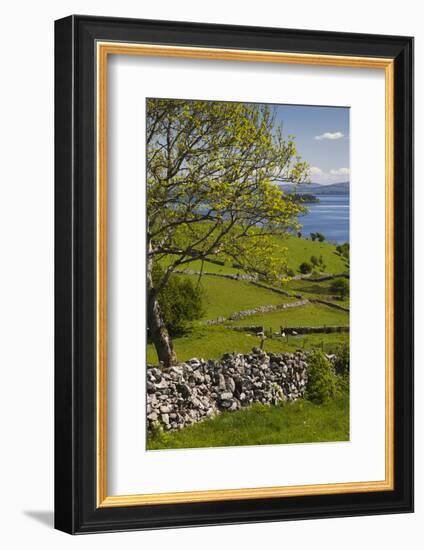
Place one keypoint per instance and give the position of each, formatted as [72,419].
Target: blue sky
[322,139]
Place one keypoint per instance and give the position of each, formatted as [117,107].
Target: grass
[300,250]
[212,342]
[296,422]
[304,286]
[210,267]
[309,315]
[225,296]
[311,289]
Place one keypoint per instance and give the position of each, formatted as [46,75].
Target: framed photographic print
[233,271]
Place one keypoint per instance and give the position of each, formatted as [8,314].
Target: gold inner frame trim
[104,49]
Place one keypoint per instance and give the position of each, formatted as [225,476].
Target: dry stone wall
[237,315]
[198,389]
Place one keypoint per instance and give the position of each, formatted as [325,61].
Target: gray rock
[230,384]
[226,395]
[184,389]
[221,382]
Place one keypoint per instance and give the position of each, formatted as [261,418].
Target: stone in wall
[196,390]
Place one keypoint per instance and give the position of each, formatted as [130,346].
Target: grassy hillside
[308,315]
[300,250]
[225,296]
[210,267]
[311,289]
[222,297]
[212,342]
[297,250]
[297,422]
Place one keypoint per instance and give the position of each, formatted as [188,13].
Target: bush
[318,263]
[343,250]
[321,384]
[305,268]
[340,287]
[180,301]
[342,361]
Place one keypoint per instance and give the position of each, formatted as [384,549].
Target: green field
[312,315]
[210,267]
[298,251]
[222,297]
[213,342]
[301,250]
[225,296]
[297,422]
[312,289]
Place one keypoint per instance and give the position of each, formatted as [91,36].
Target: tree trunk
[157,329]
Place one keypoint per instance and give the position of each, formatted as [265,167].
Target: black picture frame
[76,510]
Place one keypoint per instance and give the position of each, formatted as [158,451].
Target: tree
[321,384]
[180,301]
[343,250]
[318,263]
[314,261]
[340,287]
[342,361]
[212,169]
[305,268]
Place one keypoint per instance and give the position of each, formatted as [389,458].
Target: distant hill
[317,188]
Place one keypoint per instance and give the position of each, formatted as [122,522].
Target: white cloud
[340,172]
[318,175]
[315,171]
[330,135]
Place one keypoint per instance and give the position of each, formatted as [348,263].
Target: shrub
[340,287]
[317,236]
[343,250]
[318,263]
[342,361]
[305,268]
[321,384]
[180,301]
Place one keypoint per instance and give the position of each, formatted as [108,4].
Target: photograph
[247,273]
[233,259]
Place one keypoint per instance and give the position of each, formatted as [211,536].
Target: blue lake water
[330,217]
